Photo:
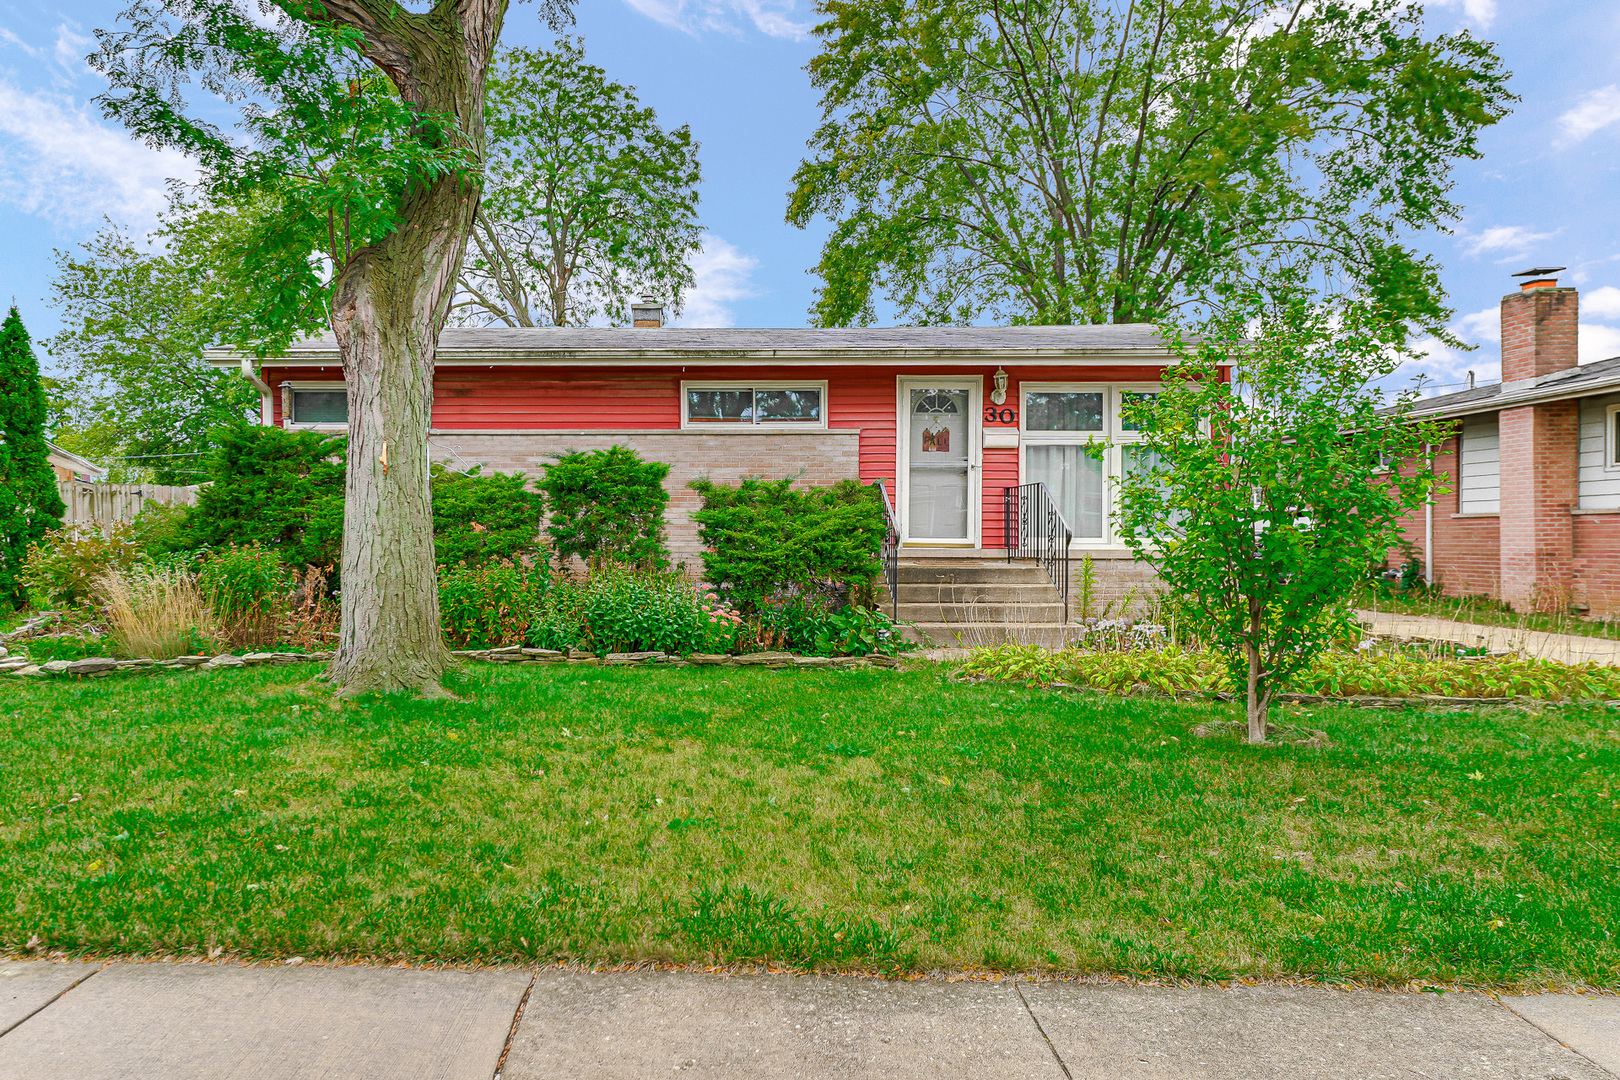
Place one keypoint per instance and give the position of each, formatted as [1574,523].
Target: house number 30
[1004,415]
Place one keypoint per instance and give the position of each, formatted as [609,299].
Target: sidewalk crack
[53,1000]
[1057,1057]
[517,1018]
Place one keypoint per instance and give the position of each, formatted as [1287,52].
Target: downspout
[1428,523]
[266,416]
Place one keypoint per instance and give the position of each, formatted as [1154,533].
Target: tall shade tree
[1262,501]
[138,392]
[29,504]
[588,201]
[1093,161]
[364,124]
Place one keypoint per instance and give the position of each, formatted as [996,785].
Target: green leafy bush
[277,488]
[480,518]
[159,530]
[765,537]
[625,610]
[607,506]
[491,604]
[249,589]
[62,566]
[812,626]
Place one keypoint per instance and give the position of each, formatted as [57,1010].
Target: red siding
[862,398]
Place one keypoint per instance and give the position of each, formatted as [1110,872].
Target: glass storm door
[940,457]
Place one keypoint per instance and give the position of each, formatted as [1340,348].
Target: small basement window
[750,406]
[324,405]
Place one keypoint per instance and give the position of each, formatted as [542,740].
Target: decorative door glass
[938,451]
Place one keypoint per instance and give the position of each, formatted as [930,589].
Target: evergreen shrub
[607,506]
[479,518]
[765,538]
[276,488]
[29,503]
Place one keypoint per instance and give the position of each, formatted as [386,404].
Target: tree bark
[1259,688]
[388,305]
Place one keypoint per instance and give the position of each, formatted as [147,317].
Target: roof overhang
[731,358]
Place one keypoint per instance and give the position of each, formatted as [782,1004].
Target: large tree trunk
[388,305]
[388,308]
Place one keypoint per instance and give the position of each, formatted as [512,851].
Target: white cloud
[1445,370]
[723,275]
[773,17]
[1594,341]
[1479,13]
[1481,326]
[1512,241]
[60,161]
[1593,113]
[1604,302]
[71,49]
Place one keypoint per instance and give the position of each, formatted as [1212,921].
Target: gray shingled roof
[669,342]
[1583,381]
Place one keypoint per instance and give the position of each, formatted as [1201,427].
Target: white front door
[938,435]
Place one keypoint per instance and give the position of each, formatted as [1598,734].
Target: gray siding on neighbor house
[1599,477]
[1480,486]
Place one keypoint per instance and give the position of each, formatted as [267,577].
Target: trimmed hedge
[764,537]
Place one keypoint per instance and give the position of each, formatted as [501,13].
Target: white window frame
[287,386]
[1112,436]
[1611,438]
[1110,420]
[687,424]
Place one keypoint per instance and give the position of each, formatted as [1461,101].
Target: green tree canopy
[1263,500]
[588,201]
[29,504]
[135,323]
[359,144]
[1091,161]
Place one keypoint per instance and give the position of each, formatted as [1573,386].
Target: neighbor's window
[755,405]
[1614,436]
[319,406]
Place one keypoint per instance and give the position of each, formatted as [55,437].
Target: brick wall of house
[1596,563]
[1539,471]
[1467,555]
[824,456]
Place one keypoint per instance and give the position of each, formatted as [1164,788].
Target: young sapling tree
[1262,499]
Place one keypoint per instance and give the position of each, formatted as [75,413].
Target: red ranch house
[946,417]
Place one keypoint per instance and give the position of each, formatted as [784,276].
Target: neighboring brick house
[1534,514]
[947,417]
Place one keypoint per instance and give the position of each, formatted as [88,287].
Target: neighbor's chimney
[1539,327]
[647,315]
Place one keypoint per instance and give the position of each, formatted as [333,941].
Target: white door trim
[902,456]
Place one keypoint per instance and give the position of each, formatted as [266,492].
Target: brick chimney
[1538,328]
[1539,446]
[649,314]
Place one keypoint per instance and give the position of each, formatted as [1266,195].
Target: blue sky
[1545,192]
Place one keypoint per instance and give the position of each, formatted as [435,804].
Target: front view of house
[947,418]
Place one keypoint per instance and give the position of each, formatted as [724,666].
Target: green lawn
[861,819]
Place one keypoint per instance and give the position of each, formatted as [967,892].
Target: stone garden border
[100,666]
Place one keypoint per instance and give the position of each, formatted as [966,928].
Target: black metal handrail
[1035,529]
[890,552]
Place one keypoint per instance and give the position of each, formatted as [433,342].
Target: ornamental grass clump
[156,612]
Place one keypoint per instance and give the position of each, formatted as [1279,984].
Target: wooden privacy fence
[104,504]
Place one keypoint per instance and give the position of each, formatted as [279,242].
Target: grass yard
[860,819]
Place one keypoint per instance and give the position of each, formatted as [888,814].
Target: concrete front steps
[972,602]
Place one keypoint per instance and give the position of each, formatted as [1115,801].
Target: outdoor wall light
[999,394]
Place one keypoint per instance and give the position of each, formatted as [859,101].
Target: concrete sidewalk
[224,1022]
[1565,648]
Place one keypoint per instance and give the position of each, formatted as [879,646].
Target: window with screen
[745,407]
[318,406]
